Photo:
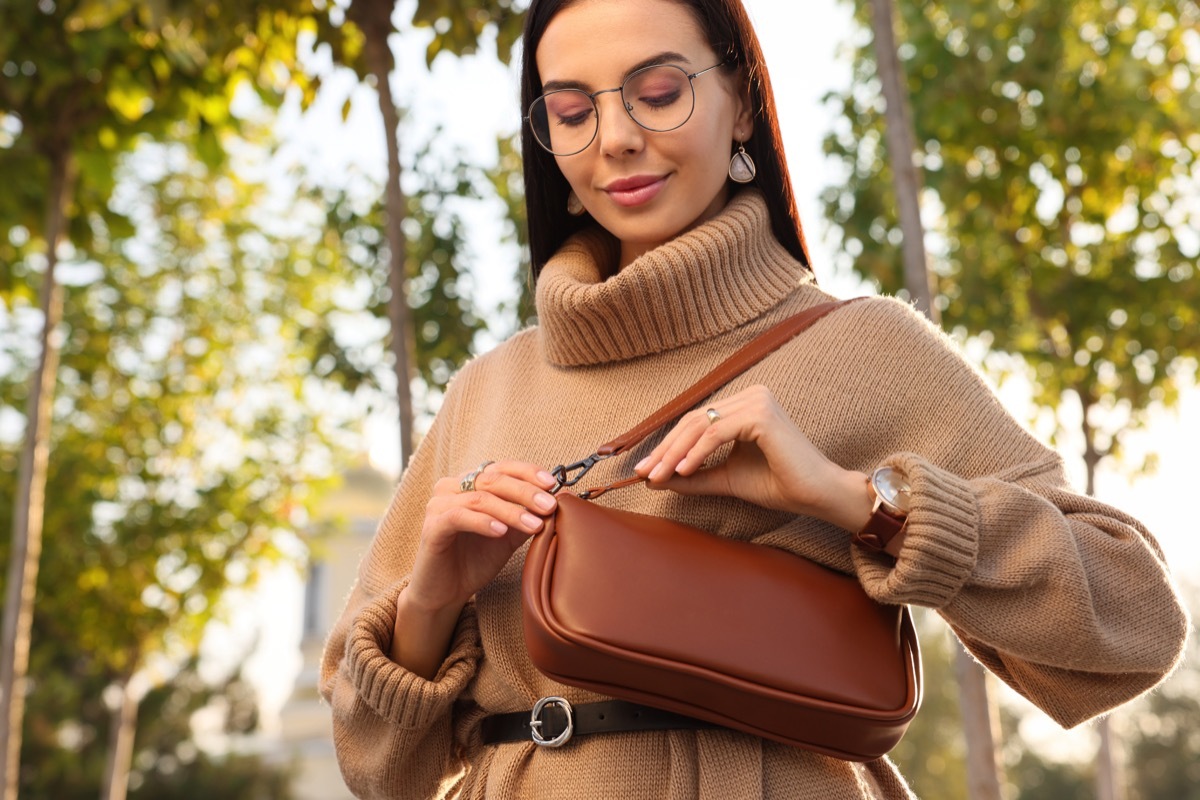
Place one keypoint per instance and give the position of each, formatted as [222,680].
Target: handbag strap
[759,348]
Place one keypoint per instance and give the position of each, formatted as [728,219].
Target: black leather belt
[553,721]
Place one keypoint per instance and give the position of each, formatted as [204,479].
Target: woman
[652,265]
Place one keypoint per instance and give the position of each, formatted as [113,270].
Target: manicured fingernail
[499,527]
[530,521]
[657,472]
[546,479]
[641,465]
[543,501]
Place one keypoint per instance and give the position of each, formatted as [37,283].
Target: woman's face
[644,187]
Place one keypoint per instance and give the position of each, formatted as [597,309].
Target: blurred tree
[932,754]
[1161,733]
[83,81]
[444,318]
[1059,150]
[509,185]
[458,27]
[1037,778]
[1164,744]
[1165,749]
[189,430]
[64,747]
[980,716]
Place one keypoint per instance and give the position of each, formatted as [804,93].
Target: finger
[460,520]
[673,446]
[518,481]
[688,431]
[477,511]
[526,471]
[524,491]
[694,439]
[713,481]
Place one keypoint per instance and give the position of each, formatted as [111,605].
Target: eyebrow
[667,57]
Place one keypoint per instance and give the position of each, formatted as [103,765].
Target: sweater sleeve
[393,730]
[1065,598]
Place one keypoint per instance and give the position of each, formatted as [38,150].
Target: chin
[647,232]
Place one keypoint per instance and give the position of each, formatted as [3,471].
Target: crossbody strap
[762,345]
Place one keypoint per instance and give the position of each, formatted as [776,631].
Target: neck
[632,251]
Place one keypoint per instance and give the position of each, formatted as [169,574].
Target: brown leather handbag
[746,636]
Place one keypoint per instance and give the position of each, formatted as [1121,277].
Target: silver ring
[713,415]
[468,483]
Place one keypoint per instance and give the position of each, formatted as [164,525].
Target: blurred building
[305,733]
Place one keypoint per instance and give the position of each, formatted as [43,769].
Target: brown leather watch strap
[883,533]
[763,345]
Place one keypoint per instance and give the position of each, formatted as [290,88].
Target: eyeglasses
[659,98]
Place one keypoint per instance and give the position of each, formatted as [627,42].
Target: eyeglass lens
[658,98]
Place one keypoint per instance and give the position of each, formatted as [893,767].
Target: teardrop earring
[574,205]
[741,166]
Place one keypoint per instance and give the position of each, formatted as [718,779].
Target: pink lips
[635,191]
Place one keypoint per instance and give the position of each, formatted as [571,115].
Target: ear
[743,121]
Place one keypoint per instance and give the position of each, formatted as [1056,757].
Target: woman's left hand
[772,463]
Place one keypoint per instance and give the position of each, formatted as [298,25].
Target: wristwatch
[884,531]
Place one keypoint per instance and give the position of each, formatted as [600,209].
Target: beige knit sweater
[1066,599]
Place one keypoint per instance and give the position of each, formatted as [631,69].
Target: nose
[618,133]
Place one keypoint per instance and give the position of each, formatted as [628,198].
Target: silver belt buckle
[535,724]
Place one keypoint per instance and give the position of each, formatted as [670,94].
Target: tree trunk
[980,721]
[901,145]
[28,512]
[980,728]
[1109,783]
[121,731]
[374,18]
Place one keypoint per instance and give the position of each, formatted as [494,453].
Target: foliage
[169,766]
[91,78]
[66,721]
[1059,148]
[189,431]
[1040,779]
[1164,747]
[458,25]
[200,342]
[445,319]
[509,186]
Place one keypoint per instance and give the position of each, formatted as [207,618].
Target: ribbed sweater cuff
[941,542]
[393,692]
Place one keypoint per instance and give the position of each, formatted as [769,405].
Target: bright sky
[476,99]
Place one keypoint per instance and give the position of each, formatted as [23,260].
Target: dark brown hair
[731,36]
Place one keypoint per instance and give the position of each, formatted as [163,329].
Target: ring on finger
[713,415]
[468,483]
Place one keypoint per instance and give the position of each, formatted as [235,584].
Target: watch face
[892,488]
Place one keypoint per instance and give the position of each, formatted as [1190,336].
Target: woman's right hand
[468,537]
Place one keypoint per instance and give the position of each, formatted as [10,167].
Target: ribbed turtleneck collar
[710,280]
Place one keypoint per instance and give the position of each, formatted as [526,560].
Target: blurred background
[244,245]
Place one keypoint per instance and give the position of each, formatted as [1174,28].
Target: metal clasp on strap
[572,474]
[535,724]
